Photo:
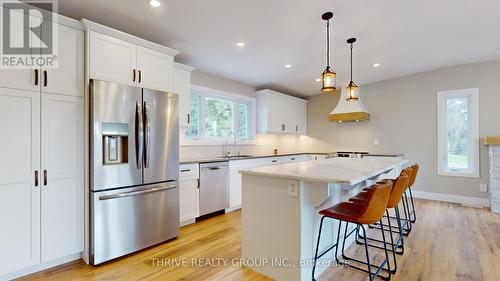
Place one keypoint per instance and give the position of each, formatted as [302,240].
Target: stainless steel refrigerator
[134,169]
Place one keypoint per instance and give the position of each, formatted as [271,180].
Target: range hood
[349,111]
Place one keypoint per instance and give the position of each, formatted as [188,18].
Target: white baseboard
[231,209]
[472,201]
[187,222]
[39,267]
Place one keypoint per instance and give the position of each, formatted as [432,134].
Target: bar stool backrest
[399,187]
[376,203]
[413,176]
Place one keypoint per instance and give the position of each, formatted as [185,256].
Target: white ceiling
[403,36]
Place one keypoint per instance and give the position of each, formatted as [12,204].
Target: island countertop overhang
[348,171]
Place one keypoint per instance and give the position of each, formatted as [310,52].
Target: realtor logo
[29,38]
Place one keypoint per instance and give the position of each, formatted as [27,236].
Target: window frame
[473,170]
[236,99]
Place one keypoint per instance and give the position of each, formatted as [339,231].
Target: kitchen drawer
[189,171]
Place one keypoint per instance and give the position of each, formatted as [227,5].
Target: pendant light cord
[351,61]
[328,43]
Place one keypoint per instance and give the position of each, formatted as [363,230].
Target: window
[458,133]
[217,116]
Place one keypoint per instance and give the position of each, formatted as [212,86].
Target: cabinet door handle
[296,128]
[45,78]
[133,76]
[36,178]
[36,77]
[140,76]
[274,161]
[185,170]
[282,127]
[292,159]
[45,177]
[198,180]
[189,118]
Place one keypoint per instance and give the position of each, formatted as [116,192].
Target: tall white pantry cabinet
[42,159]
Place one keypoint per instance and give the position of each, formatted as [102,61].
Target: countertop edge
[221,159]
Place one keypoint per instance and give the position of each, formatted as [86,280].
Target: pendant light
[328,76]
[352,88]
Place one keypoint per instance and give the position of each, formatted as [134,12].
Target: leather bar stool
[406,221]
[397,245]
[360,214]
[413,215]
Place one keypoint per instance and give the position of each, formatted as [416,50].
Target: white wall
[403,118]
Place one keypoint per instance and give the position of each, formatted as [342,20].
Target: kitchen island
[280,219]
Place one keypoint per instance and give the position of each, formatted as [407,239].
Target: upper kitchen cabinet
[154,69]
[65,77]
[112,59]
[280,113]
[119,57]
[181,85]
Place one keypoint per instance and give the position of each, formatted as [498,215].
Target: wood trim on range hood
[349,111]
[492,141]
[350,117]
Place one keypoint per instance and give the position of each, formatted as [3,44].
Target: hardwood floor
[449,242]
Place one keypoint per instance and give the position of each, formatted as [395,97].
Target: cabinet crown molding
[93,26]
[184,67]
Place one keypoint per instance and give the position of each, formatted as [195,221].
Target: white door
[276,112]
[181,84]
[67,78]
[189,192]
[154,69]
[301,118]
[235,186]
[62,176]
[19,197]
[112,59]
[25,78]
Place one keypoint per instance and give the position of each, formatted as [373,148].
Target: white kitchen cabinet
[154,69]
[62,176]
[280,113]
[189,200]
[19,188]
[59,79]
[25,79]
[119,57]
[112,59]
[67,78]
[181,85]
[42,212]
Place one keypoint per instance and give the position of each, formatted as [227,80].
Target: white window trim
[442,96]
[209,92]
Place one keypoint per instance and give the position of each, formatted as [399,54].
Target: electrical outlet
[376,142]
[483,188]
[293,188]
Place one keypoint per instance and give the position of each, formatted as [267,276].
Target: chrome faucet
[227,151]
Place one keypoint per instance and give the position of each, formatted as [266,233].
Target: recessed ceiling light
[240,44]
[288,65]
[376,65]
[155,3]
[318,80]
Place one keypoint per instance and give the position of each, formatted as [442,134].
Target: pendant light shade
[328,76]
[352,88]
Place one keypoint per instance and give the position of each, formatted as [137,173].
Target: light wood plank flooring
[449,242]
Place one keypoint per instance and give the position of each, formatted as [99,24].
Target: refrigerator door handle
[135,193]
[138,135]
[147,136]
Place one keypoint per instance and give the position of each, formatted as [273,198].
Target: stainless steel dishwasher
[214,187]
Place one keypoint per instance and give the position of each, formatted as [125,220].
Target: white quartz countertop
[334,170]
